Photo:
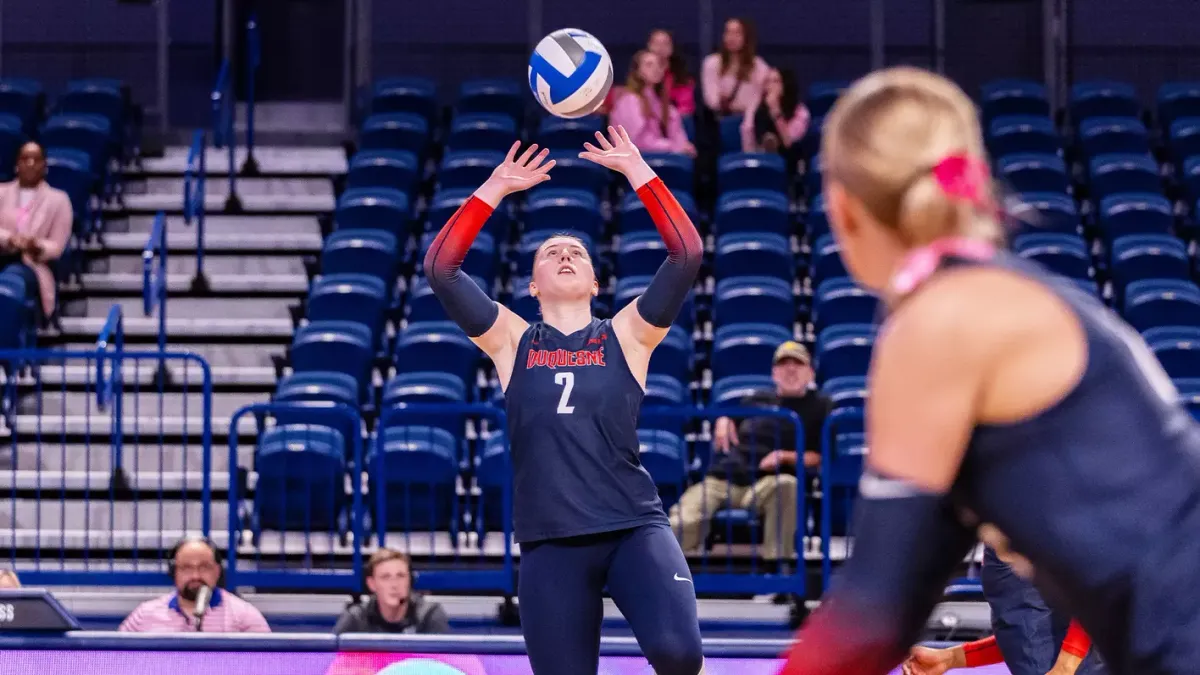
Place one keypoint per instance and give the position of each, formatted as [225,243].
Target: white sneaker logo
[679,578]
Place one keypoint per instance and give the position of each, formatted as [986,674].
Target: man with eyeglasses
[194,565]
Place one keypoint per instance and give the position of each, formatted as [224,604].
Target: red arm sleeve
[464,301]
[1077,642]
[985,652]
[671,284]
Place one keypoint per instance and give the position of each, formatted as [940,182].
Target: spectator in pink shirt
[645,109]
[733,78]
[681,86]
[194,565]
[779,120]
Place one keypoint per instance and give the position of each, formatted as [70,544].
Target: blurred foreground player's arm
[927,378]
[490,325]
[986,652]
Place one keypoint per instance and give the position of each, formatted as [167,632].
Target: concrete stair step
[140,457]
[288,195]
[187,317]
[272,160]
[230,365]
[225,273]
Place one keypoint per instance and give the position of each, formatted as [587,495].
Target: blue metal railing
[843,450]
[194,193]
[253,58]
[224,104]
[154,277]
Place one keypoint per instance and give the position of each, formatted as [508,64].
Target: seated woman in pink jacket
[645,109]
[779,120]
[35,224]
[681,86]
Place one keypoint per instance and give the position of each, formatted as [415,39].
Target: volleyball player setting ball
[1000,395]
[586,513]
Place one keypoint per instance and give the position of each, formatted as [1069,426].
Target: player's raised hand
[517,173]
[925,661]
[614,151]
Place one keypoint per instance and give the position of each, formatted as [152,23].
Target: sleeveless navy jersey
[572,406]
[1102,493]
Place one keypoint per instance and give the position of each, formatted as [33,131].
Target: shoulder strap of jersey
[922,263]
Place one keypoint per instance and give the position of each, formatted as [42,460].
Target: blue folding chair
[1065,254]
[92,134]
[396,169]
[822,95]
[1148,256]
[105,97]
[492,96]
[436,342]
[678,172]
[412,472]
[562,209]
[558,133]
[71,171]
[1135,213]
[730,391]
[301,473]
[745,348]
[395,131]
[1177,100]
[1110,174]
[1113,135]
[1184,139]
[664,457]
[446,202]
[844,350]
[1046,212]
[666,392]
[753,211]
[1177,349]
[1034,173]
[415,95]
[24,98]
[846,392]
[640,254]
[422,387]
[630,288]
[334,346]
[371,252]
[752,171]
[383,209]
[635,218]
[318,387]
[1103,99]
[467,168]
[826,261]
[751,299]
[753,253]
[1151,303]
[422,305]
[481,131]
[673,356]
[1014,97]
[842,301]
[349,297]
[527,247]
[1015,134]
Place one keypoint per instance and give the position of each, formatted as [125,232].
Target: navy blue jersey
[1102,493]
[573,407]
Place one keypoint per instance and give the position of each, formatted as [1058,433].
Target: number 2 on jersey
[567,381]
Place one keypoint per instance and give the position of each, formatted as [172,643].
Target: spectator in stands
[8,579]
[779,119]
[733,78]
[35,224]
[679,83]
[194,564]
[755,463]
[393,607]
[646,112]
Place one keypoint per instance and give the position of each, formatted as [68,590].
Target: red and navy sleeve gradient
[985,652]
[463,300]
[667,292]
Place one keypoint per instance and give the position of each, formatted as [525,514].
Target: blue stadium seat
[558,133]
[1151,303]
[811,143]
[753,253]
[1177,100]
[423,305]
[668,392]
[827,260]
[481,131]
[493,472]
[816,222]
[1014,97]
[746,299]
[1177,348]
[1046,212]
[1103,99]
[22,97]
[1135,213]
[752,171]
[12,136]
[730,128]
[523,303]
[416,95]
[822,95]
[96,96]
[446,202]
[1034,173]
[1189,395]
[383,209]
[570,171]
[1190,177]
[729,391]
[846,392]
[492,96]
[1015,134]
[371,252]
[745,348]
[467,168]
[840,301]
[397,169]
[529,243]
[395,131]
[640,254]
[16,313]
[664,457]
[559,209]
[635,218]
[1148,256]
[1113,135]
[753,211]
[319,387]
[334,346]
[71,171]
[1065,254]
[301,479]
[1184,138]
[676,171]
[436,342]
[1088,286]
[349,297]
[673,356]
[844,350]
[1110,174]
[414,468]
[481,260]
[630,287]
[92,134]
[812,179]
[427,387]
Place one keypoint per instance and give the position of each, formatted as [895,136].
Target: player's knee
[680,653]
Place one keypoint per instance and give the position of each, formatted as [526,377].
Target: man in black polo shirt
[755,462]
[392,607]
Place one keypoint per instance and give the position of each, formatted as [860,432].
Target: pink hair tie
[964,177]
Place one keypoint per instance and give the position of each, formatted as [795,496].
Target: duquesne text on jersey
[562,358]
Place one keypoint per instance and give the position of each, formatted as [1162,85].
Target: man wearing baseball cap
[755,461]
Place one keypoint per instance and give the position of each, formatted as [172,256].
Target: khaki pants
[774,497]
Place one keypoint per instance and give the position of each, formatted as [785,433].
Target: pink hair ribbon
[964,177]
[923,262]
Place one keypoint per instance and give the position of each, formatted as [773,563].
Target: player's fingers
[624,134]
[604,144]
[613,135]
[538,159]
[527,154]
[544,170]
[512,152]
[591,148]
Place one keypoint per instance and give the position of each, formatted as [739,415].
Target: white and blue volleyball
[570,73]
